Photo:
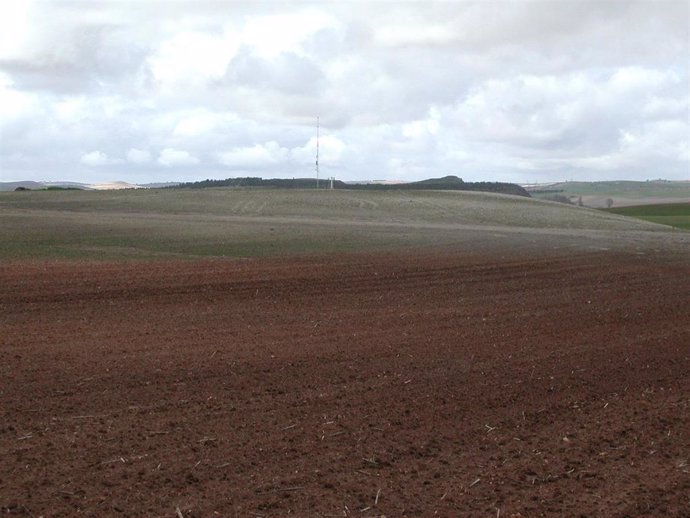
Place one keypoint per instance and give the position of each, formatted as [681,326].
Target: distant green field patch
[627,189]
[672,214]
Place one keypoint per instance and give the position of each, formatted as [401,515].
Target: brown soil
[408,385]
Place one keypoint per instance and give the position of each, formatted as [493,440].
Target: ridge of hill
[446,183]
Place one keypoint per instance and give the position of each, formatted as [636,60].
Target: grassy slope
[245,223]
[673,214]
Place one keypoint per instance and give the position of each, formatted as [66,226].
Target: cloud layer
[516,91]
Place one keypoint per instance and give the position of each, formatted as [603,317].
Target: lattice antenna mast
[317,152]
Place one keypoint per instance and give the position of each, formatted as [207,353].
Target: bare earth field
[527,381]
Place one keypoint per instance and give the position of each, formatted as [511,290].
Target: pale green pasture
[259,222]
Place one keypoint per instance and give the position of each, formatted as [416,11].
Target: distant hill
[622,193]
[451,183]
[107,186]
[447,183]
[43,186]
[276,183]
[13,186]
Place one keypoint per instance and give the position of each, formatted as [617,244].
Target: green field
[227,222]
[673,214]
[623,193]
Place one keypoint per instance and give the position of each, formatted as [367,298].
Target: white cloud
[71,110]
[274,34]
[138,156]
[419,128]
[97,159]
[640,79]
[13,103]
[409,35]
[331,151]
[195,124]
[176,157]
[260,155]
[666,107]
[13,27]
[192,58]
[551,112]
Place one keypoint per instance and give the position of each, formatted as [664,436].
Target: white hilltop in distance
[103,186]
[109,186]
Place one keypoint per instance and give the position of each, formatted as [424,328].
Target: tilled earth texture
[444,384]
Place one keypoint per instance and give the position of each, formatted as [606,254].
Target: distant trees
[446,183]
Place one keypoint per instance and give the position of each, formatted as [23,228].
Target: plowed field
[358,385]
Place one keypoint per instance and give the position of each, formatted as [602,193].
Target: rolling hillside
[256,222]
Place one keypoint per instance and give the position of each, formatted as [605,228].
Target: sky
[519,91]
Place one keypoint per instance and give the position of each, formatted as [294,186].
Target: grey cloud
[516,90]
[87,58]
[288,73]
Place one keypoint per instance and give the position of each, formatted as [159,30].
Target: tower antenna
[317,152]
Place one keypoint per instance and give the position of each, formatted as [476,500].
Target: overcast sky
[520,91]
